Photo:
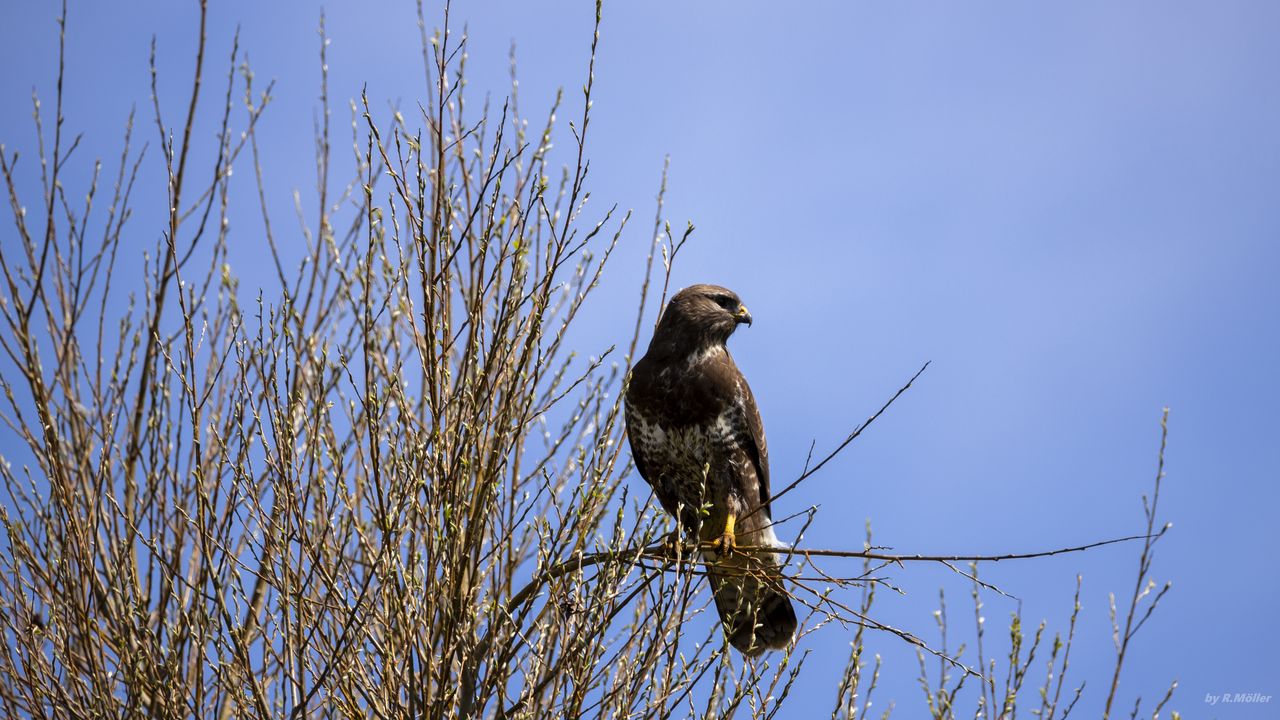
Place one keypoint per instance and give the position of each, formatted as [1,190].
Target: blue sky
[1069,208]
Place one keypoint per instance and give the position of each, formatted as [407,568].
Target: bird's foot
[672,544]
[726,543]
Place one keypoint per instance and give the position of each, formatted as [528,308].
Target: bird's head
[699,316]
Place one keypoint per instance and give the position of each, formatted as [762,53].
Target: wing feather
[757,446]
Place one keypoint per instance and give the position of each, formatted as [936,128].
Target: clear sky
[1070,208]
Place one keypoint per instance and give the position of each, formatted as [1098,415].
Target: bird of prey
[697,439]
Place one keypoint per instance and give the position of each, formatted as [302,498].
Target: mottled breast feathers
[704,400]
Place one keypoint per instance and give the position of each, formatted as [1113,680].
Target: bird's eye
[725,301]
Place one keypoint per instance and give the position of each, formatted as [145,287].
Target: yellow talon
[728,541]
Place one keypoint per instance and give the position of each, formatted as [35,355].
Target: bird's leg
[728,541]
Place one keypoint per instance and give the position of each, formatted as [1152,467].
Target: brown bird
[697,439]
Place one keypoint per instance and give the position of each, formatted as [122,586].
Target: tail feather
[754,607]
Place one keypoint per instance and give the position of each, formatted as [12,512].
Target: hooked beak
[742,316]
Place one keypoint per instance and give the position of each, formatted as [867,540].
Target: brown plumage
[697,439]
